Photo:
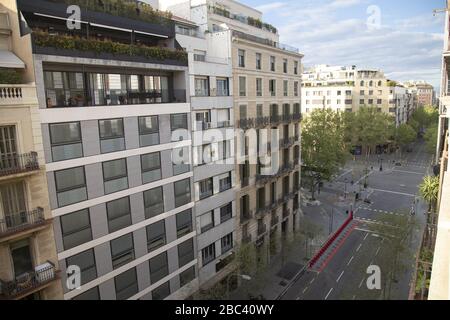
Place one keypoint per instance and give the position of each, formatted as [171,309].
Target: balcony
[262,122]
[245,182]
[246,216]
[267,42]
[286,213]
[287,142]
[274,221]
[262,211]
[22,222]
[297,117]
[275,120]
[17,94]
[286,118]
[29,282]
[262,229]
[16,164]
[246,123]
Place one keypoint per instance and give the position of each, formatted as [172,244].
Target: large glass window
[225,183]
[187,276]
[185,253]
[159,267]
[242,86]
[126,284]
[206,188]
[207,221]
[66,141]
[222,87]
[259,87]
[122,250]
[151,167]
[241,58]
[86,262]
[112,137]
[70,186]
[178,121]
[180,161]
[201,86]
[162,292]
[227,243]
[184,223]
[153,202]
[115,175]
[226,212]
[209,254]
[182,192]
[148,131]
[64,89]
[119,214]
[76,229]
[90,295]
[156,235]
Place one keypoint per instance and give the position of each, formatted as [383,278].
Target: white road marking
[361,283]
[312,281]
[378,251]
[331,290]
[339,278]
[305,290]
[366,236]
[357,250]
[351,259]
[394,192]
[298,298]
[408,172]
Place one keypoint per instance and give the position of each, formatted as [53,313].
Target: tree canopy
[405,134]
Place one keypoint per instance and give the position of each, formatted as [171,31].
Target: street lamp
[345,188]
[242,276]
[381,164]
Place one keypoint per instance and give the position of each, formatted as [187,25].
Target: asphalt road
[393,191]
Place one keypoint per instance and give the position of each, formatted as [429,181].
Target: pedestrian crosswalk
[382,211]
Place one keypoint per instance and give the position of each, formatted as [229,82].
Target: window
[205,188]
[272,63]
[70,186]
[361,101]
[296,88]
[370,101]
[178,121]
[201,86]
[285,88]
[379,101]
[339,93]
[273,87]
[227,243]
[242,86]
[259,111]
[226,150]
[148,131]
[159,267]
[115,176]
[90,295]
[64,89]
[187,276]
[153,202]
[122,250]
[295,67]
[182,192]
[242,112]
[225,183]
[209,254]
[86,261]
[222,87]
[370,92]
[119,214]
[259,87]
[226,213]
[151,167]
[184,223]
[180,161]
[185,253]
[205,154]
[207,221]
[76,229]
[126,284]
[241,58]
[66,141]
[258,61]
[348,92]
[162,292]
[285,65]
[112,136]
[156,235]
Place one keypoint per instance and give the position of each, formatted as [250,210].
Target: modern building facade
[425,92]
[116,127]
[346,89]
[211,95]
[29,268]
[266,94]
[440,276]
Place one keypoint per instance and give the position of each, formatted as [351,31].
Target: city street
[392,191]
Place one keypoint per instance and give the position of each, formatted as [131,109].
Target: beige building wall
[21,111]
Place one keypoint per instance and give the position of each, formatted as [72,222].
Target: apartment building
[424,91]
[267,85]
[116,128]
[346,89]
[211,95]
[440,276]
[29,267]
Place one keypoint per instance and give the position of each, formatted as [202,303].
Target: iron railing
[28,281]
[20,221]
[18,163]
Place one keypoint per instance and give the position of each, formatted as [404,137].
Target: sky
[401,37]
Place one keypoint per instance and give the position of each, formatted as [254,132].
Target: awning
[10,60]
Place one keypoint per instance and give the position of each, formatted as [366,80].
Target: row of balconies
[262,122]
[262,211]
[212,125]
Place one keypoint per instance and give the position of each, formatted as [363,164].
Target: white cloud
[270,6]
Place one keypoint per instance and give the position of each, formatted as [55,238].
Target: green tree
[431,136]
[323,148]
[404,135]
[425,117]
[429,190]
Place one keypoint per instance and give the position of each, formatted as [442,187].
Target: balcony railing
[287,142]
[263,41]
[297,117]
[19,163]
[274,221]
[262,229]
[16,94]
[29,281]
[21,221]
[246,216]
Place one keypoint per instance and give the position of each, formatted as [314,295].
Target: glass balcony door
[13,206]
[8,148]
[21,258]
